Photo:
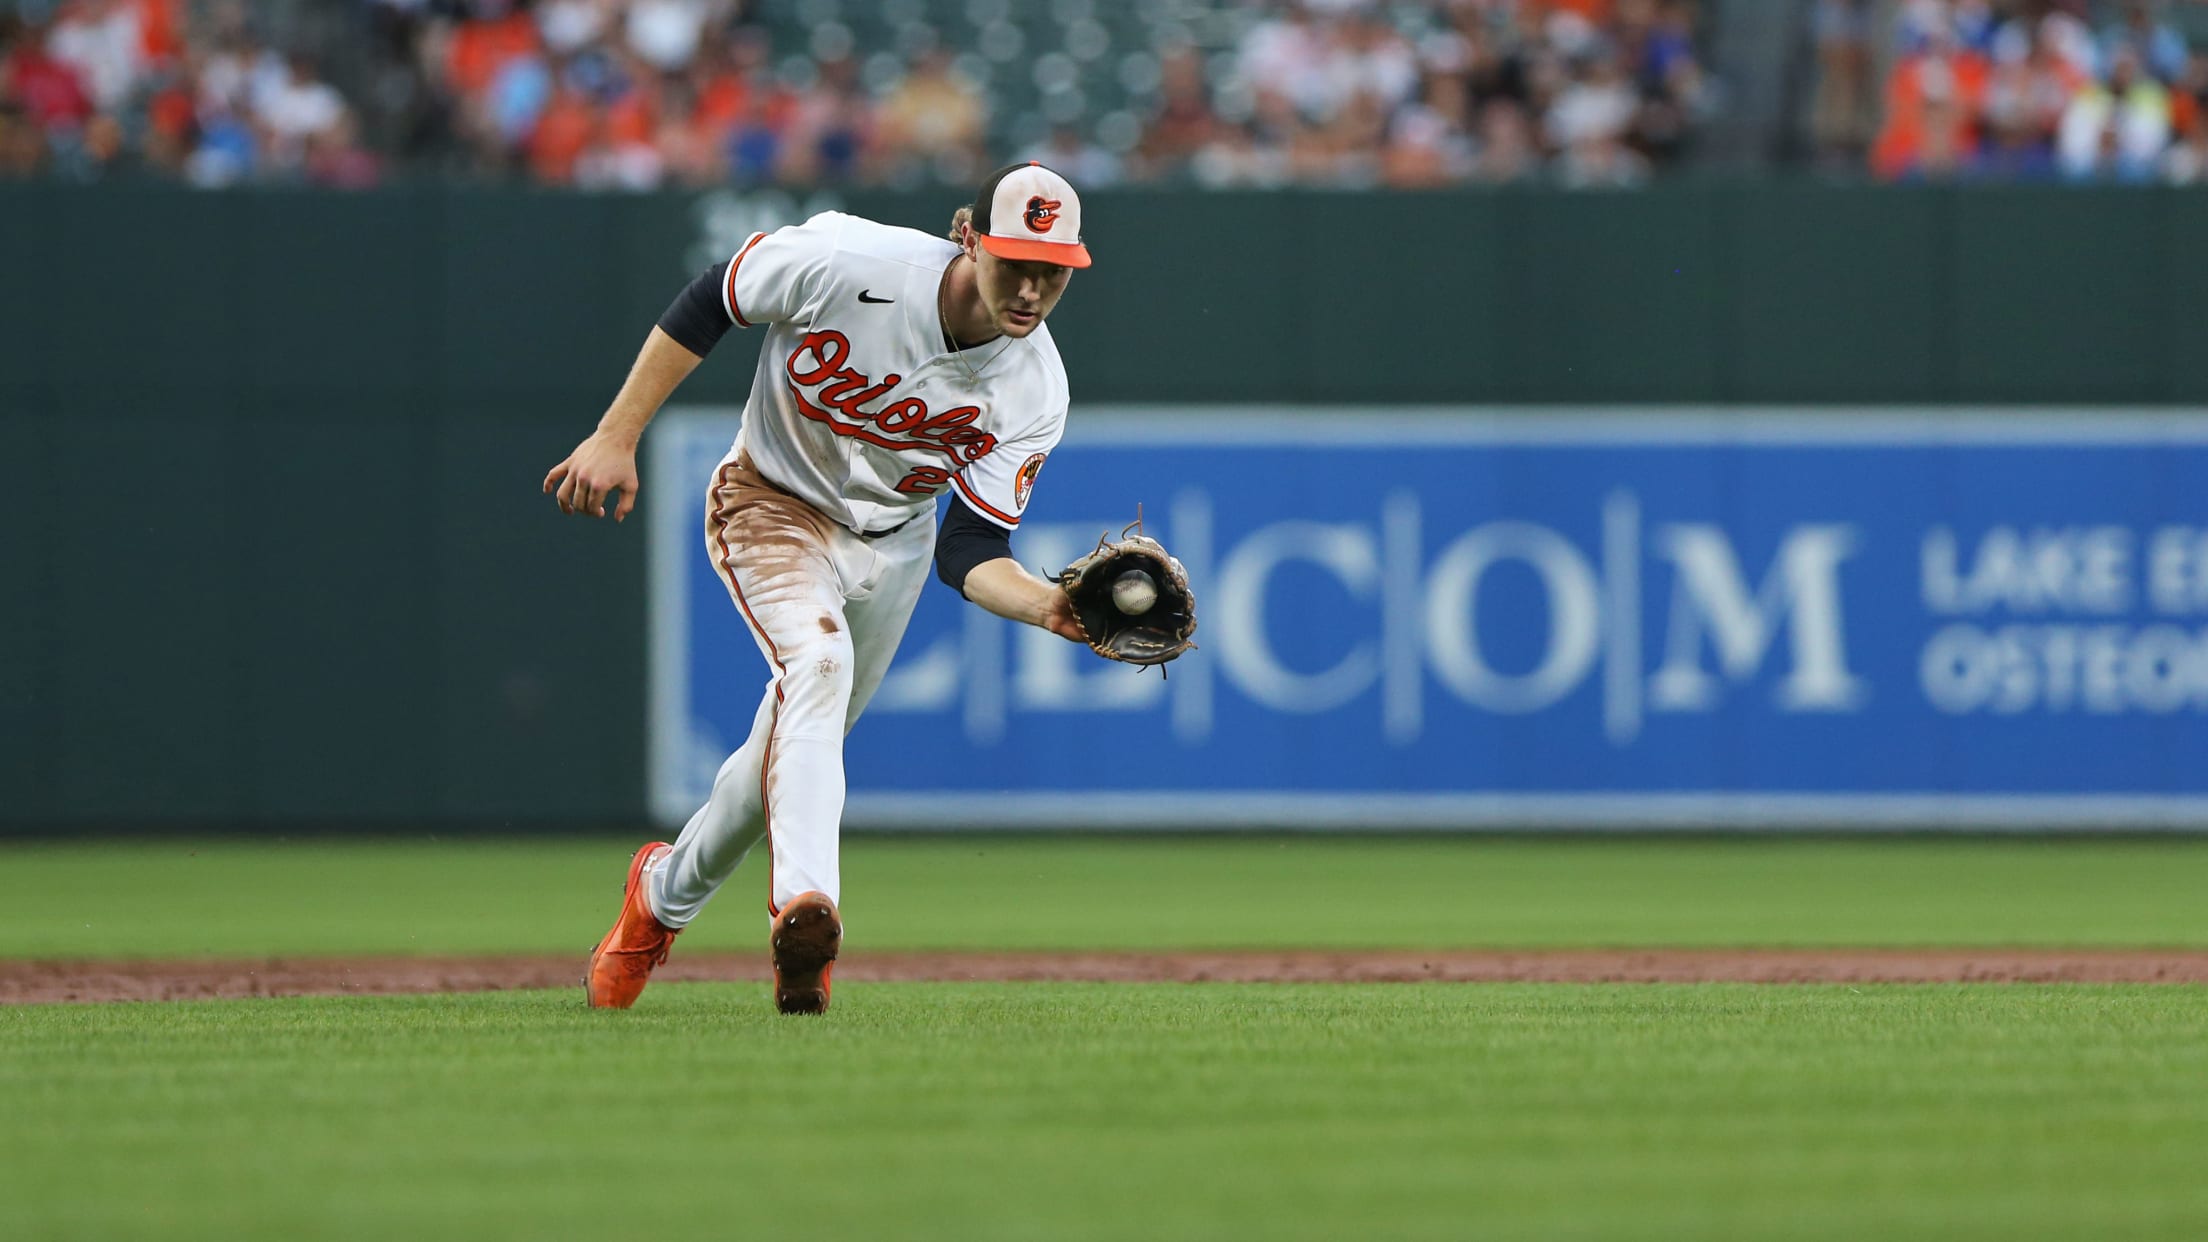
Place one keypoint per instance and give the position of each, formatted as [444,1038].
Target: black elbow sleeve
[964,540]
[696,318]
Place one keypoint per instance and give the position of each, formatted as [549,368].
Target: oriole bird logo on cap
[1042,213]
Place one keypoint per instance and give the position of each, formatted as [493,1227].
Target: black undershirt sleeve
[966,539]
[696,318]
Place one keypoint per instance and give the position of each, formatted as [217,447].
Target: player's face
[1018,294]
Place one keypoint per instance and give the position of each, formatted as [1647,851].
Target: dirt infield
[29,982]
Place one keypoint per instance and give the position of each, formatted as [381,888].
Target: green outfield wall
[276,556]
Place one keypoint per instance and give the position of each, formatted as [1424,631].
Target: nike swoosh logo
[866,295]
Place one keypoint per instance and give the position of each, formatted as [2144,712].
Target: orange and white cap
[1028,212]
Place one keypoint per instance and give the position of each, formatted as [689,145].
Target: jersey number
[924,481]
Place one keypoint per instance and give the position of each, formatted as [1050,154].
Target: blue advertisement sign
[1614,619]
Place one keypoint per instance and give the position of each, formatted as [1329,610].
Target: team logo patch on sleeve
[1023,483]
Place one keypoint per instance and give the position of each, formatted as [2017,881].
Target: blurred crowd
[638,94]
[104,88]
[2024,91]
[1582,92]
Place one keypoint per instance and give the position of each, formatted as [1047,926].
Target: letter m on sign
[1800,592]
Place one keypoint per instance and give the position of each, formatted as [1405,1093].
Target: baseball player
[897,365]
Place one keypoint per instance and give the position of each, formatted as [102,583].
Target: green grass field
[1113,1111]
[1091,1111]
[171,900]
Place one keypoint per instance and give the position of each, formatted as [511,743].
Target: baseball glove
[1151,635]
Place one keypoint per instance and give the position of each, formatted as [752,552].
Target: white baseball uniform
[821,519]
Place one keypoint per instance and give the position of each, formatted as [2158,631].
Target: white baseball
[1134,592]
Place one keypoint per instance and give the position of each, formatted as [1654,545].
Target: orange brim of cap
[1020,249]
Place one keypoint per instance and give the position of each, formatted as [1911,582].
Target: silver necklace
[943,316]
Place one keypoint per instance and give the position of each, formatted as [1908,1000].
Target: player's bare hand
[599,467]
[1060,619]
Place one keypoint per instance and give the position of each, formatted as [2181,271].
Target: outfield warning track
[33,982]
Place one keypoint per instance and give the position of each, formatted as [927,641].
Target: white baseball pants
[827,608]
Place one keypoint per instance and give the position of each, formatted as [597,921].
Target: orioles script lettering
[817,369]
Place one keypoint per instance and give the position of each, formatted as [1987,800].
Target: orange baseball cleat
[622,964]
[807,936]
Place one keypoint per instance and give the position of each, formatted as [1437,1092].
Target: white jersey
[859,407]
